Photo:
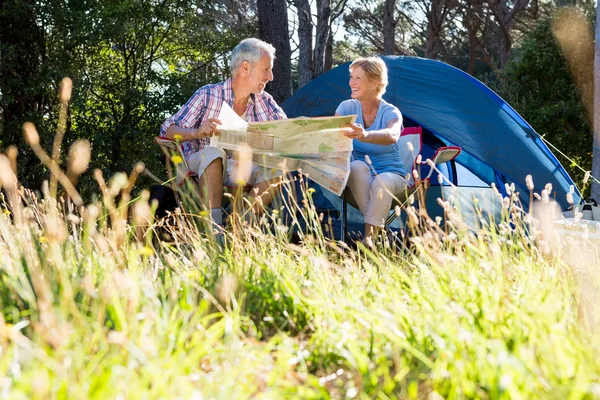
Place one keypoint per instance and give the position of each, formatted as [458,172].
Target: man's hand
[357,132]
[208,128]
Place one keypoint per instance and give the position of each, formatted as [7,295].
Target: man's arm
[182,125]
[207,129]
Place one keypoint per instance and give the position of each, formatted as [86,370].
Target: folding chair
[414,136]
[183,171]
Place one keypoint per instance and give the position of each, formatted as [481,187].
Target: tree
[505,13]
[366,20]
[596,141]
[338,8]
[476,24]
[36,45]
[313,61]
[132,62]
[322,35]
[437,13]
[305,50]
[389,26]
[537,82]
[273,28]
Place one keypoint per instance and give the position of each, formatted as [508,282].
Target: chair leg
[396,240]
[344,218]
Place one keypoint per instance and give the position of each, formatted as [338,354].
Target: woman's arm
[389,135]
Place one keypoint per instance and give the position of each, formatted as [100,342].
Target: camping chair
[414,136]
[183,171]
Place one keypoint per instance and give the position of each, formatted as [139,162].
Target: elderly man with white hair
[195,123]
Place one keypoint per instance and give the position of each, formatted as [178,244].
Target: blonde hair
[375,69]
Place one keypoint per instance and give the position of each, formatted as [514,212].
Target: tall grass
[95,306]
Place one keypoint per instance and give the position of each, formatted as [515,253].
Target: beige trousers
[373,194]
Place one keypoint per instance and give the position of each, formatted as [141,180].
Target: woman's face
[361,86]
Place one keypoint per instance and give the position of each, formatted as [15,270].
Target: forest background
[135,62]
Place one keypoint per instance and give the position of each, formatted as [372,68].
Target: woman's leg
[359,183]
[382,191]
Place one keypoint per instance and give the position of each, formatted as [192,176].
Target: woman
[376,171]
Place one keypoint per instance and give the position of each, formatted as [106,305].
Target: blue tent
[453,108]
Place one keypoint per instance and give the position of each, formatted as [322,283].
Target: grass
[94,306]
[93,311]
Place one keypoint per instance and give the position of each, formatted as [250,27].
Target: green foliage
[29,74]
[132,62]
[538,84]
[345,51]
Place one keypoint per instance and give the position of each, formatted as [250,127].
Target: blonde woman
[376,171]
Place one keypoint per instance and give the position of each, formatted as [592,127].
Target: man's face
[260,74]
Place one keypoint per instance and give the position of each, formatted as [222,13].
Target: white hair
[250,50]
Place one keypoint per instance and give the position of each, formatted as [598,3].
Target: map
[315,146]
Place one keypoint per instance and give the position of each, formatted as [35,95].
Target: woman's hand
[358,132]
[208,128]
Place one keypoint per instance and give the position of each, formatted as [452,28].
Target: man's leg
[211,187]
[208,164]
[262,195]
[265,183]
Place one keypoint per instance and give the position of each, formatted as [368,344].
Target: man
[195,123]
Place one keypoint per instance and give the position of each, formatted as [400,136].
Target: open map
[316,146]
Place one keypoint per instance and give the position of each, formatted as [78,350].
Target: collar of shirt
[228,95]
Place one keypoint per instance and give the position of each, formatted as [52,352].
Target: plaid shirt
[206,103]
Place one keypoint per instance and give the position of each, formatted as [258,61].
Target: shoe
[368,243]
[219,239]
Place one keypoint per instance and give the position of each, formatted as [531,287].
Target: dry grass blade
[33,140]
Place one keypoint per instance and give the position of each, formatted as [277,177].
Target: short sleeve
[345,108]
[190,114]
[392,112]
[276,111]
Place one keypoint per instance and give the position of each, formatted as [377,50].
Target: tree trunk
[506,18]
[329,53]
[273,28]
[305,60]
[323,29]
[436,18]
[473,21]
[506,48]
[472,53]
[596,151]
[389,27]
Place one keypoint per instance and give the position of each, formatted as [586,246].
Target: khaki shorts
[257,174]
[199,161]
